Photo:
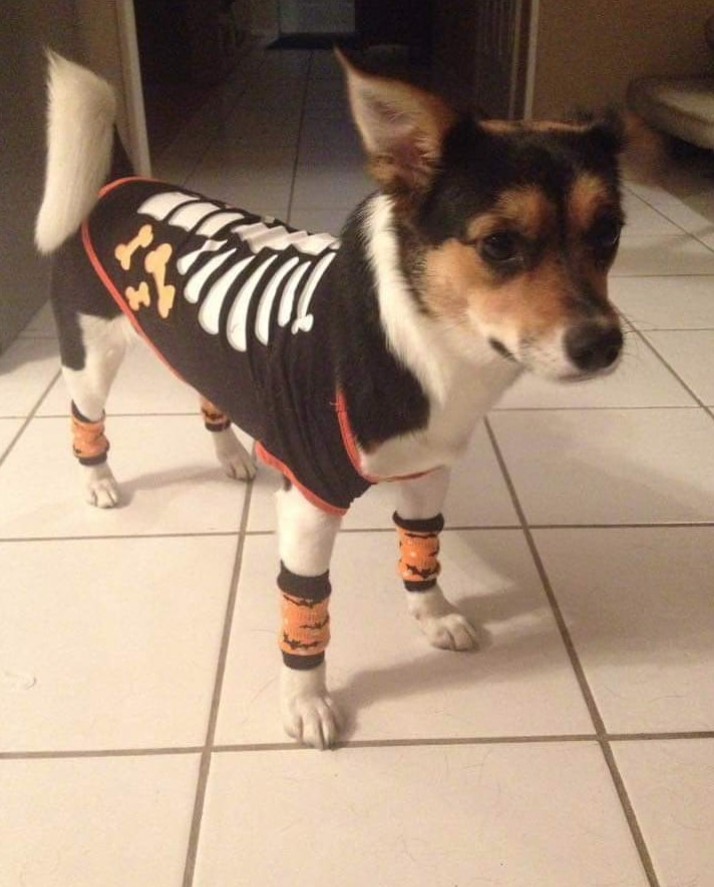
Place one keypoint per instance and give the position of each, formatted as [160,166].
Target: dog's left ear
[402,128]
[642,151]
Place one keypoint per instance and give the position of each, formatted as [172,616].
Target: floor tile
[8,430]
[666,302]
[110,644]
[143,385]
[640,380]
[644,219]
[42,325]
[261,185]
[478,496]
[687,200]
[324,142]
[316,220]
[386,678]
[27,369]
[329,187]
[324,65]
[671,785]
[690,353]
[108,821]
[638,606]
[169,479]
[610,466]
[646,254]
[438,816]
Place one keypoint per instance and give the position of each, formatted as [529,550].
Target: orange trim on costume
[110,186]
[271,460]
[348,438]
[350,444]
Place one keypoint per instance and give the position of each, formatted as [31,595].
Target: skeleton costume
[236,305]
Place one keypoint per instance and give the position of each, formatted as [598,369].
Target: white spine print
[238,317]
[303,321]
[185,263]
[205,218]
[210,312]
[288,298]
[265,308]
[197,281]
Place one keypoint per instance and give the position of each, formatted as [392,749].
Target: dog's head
[507,230]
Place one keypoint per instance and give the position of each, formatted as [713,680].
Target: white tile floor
[139,739]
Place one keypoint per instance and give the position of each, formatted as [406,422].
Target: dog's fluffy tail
[80,134]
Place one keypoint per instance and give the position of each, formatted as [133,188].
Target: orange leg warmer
[89,443]
[305,623]
[213,418]
[418,551]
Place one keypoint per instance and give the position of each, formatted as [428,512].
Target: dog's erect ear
[402,128]
[641,150]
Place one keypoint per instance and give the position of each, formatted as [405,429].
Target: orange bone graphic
[125,251]
[155,263]
[138,297]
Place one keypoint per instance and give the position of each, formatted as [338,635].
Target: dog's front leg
[419,521]
[306,536]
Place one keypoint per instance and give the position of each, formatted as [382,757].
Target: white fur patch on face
[432,349]
[545,355]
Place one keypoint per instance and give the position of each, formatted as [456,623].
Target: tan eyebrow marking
[588,198]
[525,209]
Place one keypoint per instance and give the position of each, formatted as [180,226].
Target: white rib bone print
[206,219]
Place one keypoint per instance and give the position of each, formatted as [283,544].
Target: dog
[483,254]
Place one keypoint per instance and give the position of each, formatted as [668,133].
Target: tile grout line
[417,742]
[216,129]
[301,125]
[667,218]
[700,403]
[207,750]
[576,665]
[474,528]
[29,417]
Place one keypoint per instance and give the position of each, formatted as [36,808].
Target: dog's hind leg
[230,452]
[306,536]
[92,350]
[419,521]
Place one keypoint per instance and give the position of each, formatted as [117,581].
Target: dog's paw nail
[239,469]
[451,632]
[103,492]
[314,721]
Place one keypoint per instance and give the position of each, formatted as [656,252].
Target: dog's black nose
[593,347]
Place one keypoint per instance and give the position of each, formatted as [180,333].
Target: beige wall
[588,50]
[26,27]
[264,16]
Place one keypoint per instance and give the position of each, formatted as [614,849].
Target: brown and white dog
[483,253]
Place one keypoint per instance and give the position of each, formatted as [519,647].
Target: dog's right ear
[402,128]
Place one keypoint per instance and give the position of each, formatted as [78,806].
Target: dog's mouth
[555,368]
[501,349]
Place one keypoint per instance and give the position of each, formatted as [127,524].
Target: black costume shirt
[238,306]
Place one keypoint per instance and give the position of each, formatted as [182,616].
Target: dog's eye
[605,233]
[499,248]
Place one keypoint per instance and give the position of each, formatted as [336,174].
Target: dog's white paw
[233,456]
[101,489]
[308,712]
[442,623]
